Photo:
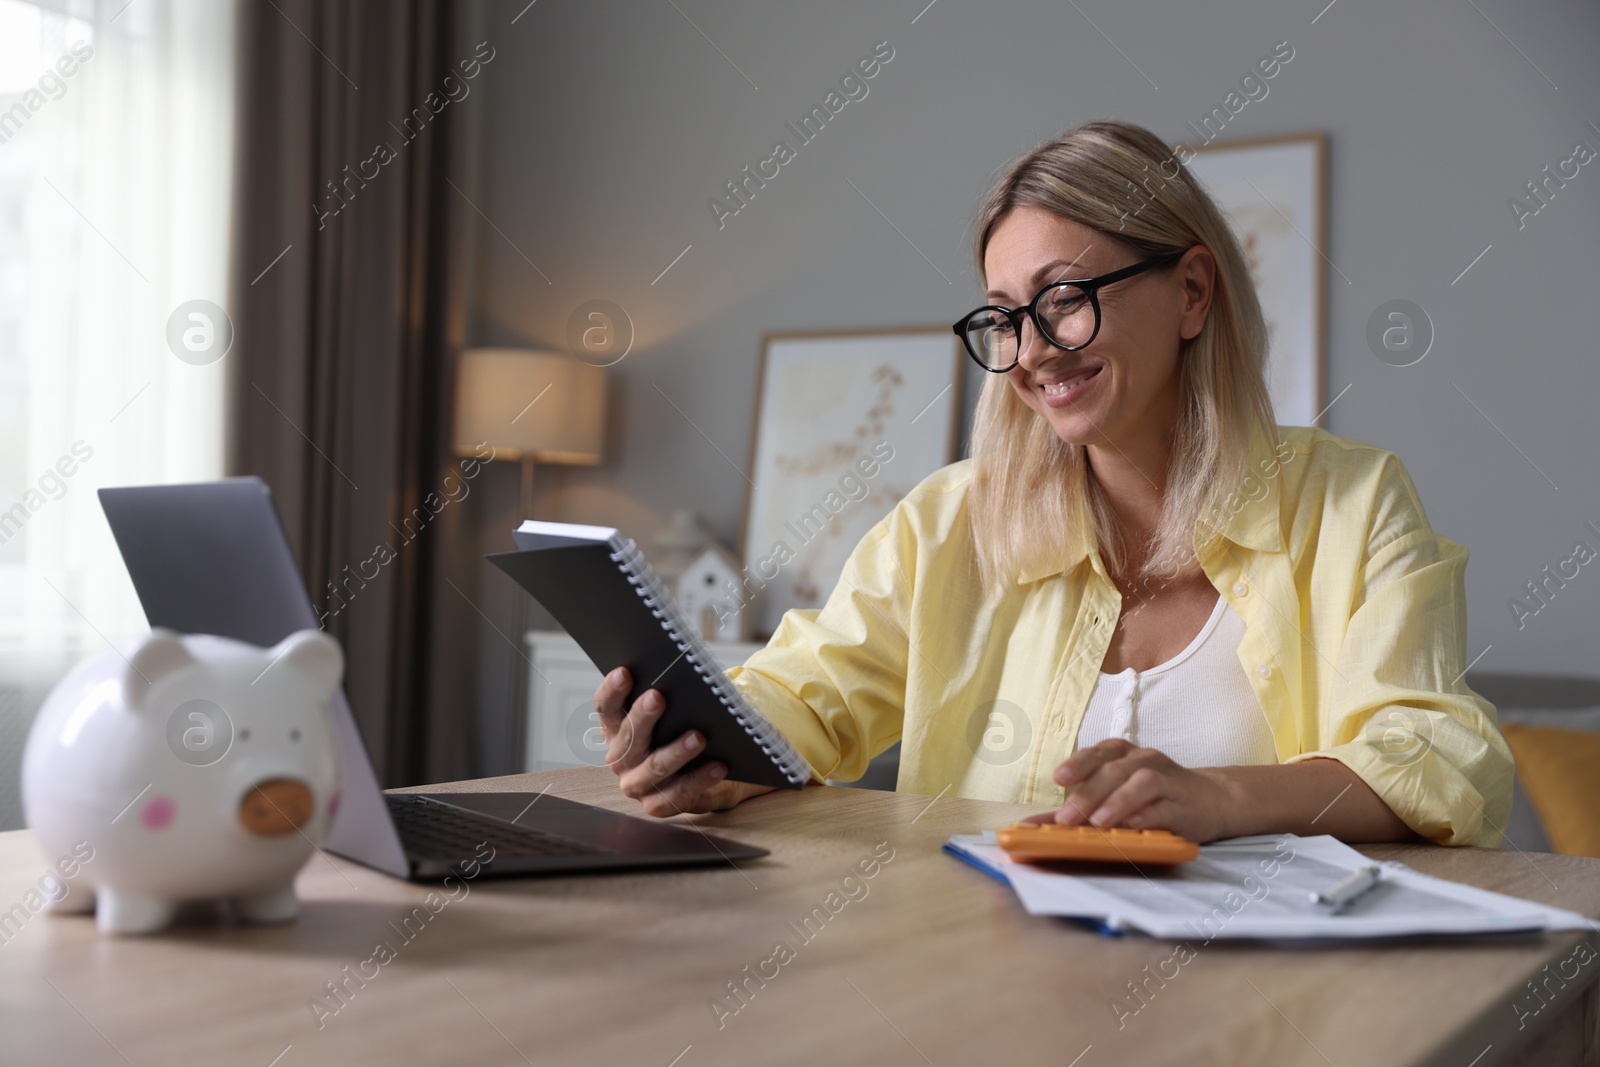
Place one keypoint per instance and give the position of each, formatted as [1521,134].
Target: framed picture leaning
[846,424]
[1272,191]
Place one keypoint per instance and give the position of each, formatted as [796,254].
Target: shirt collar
[1041,567]
[1249,517]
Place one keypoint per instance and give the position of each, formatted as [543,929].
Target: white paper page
[566,529]
[1260,888]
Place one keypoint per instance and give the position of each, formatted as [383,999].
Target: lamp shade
[541,406]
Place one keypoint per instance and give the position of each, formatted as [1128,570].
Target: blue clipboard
[1109,928]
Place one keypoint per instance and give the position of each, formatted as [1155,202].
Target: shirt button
[1240,589]
[1264,671]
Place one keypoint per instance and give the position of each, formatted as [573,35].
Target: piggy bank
[190,769]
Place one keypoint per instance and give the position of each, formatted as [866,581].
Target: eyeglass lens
[1064,311]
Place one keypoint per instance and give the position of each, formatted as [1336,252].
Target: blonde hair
[1028,485]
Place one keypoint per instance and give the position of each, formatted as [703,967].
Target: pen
[1339,894]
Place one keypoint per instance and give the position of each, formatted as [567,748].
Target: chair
[1537,700]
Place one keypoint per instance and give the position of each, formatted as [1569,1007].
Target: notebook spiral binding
[645,582]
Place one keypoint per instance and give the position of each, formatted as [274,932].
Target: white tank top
[1198,707]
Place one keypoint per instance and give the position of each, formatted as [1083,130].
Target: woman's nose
[1033,348]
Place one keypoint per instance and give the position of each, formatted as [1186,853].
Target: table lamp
[530,406]
[533,407]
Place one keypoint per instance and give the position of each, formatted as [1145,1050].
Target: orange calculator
[1047,842]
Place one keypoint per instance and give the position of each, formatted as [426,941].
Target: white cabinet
[562,728]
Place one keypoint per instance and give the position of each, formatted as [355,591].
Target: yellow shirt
[1355,645]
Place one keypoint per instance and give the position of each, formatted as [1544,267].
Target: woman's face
[1122,390]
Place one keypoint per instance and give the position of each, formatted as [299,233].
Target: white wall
[605,127]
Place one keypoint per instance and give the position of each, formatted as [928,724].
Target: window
[116,148]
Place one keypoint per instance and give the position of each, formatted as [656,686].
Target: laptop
[213,558]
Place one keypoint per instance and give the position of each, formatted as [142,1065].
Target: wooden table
[926,962]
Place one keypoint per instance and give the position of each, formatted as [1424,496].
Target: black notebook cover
[588,589]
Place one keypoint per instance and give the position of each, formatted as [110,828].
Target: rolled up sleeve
[1399,712]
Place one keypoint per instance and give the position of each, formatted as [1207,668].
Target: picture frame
[847,423]
[1272,190]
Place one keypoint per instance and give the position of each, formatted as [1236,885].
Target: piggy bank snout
[276,806]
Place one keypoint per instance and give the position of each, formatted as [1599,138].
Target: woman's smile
[1066,387]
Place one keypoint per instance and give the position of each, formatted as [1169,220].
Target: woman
[1139,602]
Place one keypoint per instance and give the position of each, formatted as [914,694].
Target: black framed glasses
[1066,314]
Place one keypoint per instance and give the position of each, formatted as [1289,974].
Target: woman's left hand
[1114,783]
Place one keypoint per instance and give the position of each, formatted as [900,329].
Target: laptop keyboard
[433,829]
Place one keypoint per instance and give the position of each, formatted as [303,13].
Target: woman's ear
[1198,273]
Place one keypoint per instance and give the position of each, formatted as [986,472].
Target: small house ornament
[707,594]
[678,542]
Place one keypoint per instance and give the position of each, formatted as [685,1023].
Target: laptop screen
[210,558]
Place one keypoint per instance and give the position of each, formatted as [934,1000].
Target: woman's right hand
[654,778]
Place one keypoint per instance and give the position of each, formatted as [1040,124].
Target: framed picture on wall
[846,424]
[1271,189]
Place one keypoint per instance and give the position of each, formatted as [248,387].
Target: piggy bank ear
[315,655]
[159,654]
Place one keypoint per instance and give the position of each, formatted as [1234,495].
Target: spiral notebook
[602,591]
